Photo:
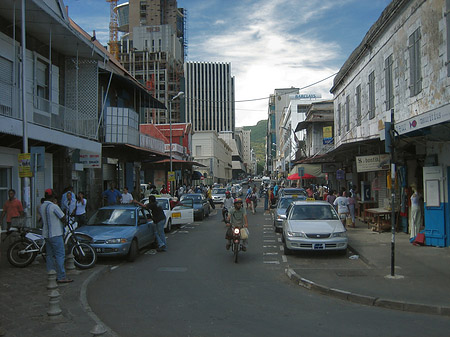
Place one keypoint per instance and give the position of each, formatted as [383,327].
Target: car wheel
[169,226]
[287,251]
[202,215]
[343,252]
[133,252]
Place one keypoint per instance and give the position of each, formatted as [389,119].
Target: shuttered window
[389,82]
[347,112]
[372,95]
[339,119]
[358,105]
[6,87]
[415,71]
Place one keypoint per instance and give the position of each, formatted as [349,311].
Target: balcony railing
[45,113]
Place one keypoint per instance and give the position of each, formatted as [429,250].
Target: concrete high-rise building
[152,49]
[209,96]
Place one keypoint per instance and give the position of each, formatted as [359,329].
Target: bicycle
[31,243]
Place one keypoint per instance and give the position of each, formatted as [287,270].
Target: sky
[271,44]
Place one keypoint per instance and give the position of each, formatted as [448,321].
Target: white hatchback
[313,225]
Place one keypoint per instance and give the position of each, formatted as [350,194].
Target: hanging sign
[25,165]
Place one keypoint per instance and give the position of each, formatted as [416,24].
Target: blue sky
[269,43]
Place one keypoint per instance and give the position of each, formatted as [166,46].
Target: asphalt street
[195,289]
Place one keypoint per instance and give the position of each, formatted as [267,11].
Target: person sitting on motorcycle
[237,217]
[228,204]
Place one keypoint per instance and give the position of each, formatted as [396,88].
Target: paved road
[195,289]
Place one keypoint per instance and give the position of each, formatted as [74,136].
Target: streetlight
[180,94]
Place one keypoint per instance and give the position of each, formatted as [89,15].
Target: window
[5,184]
[347,112]
[42,90]
[358,105]
[339,119]
[372,95]
[415,72]
[389,83]
[198,150]
[6,86]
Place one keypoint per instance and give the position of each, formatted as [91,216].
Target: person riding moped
[237,217]
[228,204]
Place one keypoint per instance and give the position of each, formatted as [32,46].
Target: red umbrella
[308,176]
[294,176]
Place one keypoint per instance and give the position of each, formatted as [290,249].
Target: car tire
[202,215]
[287,251]
[342,252]
[169,226]
[133,252]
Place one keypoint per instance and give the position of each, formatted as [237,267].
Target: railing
[48,114]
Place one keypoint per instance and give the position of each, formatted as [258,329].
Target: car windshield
[289,191]
[285,202]
[218,191]
[313,212]
[113,217]
[195,198]
[164,203]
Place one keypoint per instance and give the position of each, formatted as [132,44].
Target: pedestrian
[159,220]
[266,198]
[416,212]
[69,205]
[342,205]
[111,196]
[351,207]
[53,219]
[67,190]
[12,209]
[80,209]
[127,198]
[331,197]
[163,190]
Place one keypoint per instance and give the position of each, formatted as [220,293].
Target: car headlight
[116,241]
[296,234]
[281,217]
[339,235]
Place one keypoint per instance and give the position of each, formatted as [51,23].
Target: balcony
[45,113]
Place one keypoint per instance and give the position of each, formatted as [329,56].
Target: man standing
[53,230]
[127,198]
[12,208]
[68,206]
[112,196]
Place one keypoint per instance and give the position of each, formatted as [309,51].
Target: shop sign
[90,159]
[424,120]
[327,135]
[372,163]
[25,165]
[340,174]
[171,176]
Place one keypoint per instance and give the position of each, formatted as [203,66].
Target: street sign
[301,171]
[171,175]
[25,165]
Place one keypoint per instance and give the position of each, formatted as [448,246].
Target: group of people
[345,204]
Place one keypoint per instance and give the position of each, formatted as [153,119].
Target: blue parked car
[120,230]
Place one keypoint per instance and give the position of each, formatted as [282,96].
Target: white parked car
[313,225]
[179,215]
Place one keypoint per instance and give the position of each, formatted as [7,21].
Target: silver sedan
[313,225]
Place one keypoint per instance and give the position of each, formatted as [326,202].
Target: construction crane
[113,29]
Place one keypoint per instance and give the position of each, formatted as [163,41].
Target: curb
[364,299]
[85,304]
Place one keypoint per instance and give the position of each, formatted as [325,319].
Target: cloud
[267,53]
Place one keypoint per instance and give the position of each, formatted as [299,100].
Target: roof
[153,131]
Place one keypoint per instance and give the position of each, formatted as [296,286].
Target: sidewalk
[420,282]
[24,301]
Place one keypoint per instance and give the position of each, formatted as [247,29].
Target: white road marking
[183,232]
[270,246]
[114,267]
[279,239]
[274,253]
[269,240]
[272,262]
[284,258]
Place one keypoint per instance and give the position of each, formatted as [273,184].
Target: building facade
[400,74]
[209,96]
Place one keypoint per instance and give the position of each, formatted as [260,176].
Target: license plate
[319,246]
[98,250]
[176,215]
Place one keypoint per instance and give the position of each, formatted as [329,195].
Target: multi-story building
[400,73]
[209,96]
[215,154]
[152,49]
[246,149]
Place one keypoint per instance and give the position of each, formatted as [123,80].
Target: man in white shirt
[127,198]
[53,230]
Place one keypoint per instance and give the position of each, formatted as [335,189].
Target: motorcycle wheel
[18,259]
[235,251]
[84,256]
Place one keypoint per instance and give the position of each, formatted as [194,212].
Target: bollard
[98,330]
[52,280]
[70,265]
[54,309]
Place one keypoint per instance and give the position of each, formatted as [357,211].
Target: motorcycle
[236,242]
[225,214]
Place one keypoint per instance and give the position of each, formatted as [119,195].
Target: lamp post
[180,94]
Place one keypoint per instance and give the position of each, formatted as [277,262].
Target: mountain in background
[258,142]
